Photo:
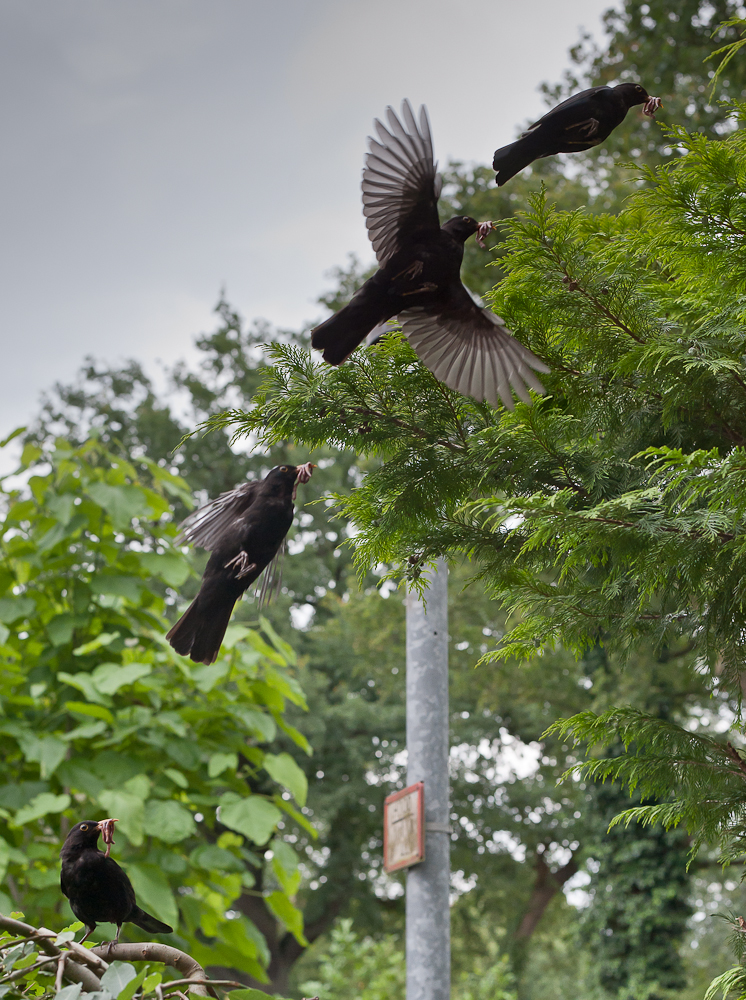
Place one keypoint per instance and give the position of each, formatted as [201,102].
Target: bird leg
[242,563]
[429,286]
[88,932]
[588,128]
[651,106]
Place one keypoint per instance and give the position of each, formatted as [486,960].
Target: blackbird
[465,346]
[98,890]
[582,121]
[245,530]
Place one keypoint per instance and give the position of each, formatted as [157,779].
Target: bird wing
[210,524]
[569,109]
[401,185]
[469,349]
[272,579]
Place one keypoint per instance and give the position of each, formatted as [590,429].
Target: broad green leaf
[153,892]
[13,608]
[83,682]
[255,640]
[282,647]
[69,992]
[251,994]
[94,711]
[4,858]
[168,821]
[47,751]
[108,678]
[286,772]
[285,865]
[40,806]
[208,676]
[176,776]
[171,567]
[122,503]
[117,976]
[129,809]
[103,639]
[215,858]
[60,629]
[133,985]
[129,587]
[254,817]
[292,917]
[220,761]
[262,724]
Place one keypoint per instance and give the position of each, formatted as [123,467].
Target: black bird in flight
[98,889]
[582,121]
[465,346]
[245,530]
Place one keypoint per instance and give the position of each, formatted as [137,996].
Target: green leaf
[171,567]
[69,992]
[4,858]
[254,817]
[109,678]
[133,985]
[176,776]
[60,629]
[94,711]
[117,976]
[292,917]
[13,608]
[285,865]
[103,639]
[153,892]
[251,994]
[122,503]
[286,772]
[129,587]
[168,821]
[255,640]
[47,751]
[83,682]
[220,761]
[129,810]
[40,806]
[282,647]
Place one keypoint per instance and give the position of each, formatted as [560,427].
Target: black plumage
[465,346]
[98,889]
[245,530]
[582,121]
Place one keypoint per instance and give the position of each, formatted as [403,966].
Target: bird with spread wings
[463,344]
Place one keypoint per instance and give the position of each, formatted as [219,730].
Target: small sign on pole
[404,828]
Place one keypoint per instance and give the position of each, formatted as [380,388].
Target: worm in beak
[482,231]
[651,106]
[106,826]
[303,475]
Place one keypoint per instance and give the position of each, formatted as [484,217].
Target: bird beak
[482,231]
[651,106]
[106,828]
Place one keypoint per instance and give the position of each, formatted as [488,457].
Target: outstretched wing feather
[216,520]
[401,185]
[470,350]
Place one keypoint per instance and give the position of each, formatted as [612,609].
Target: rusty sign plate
[404,828]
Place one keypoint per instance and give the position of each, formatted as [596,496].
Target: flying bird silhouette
[98,889]
[245,530]
[464,345]
[582,121]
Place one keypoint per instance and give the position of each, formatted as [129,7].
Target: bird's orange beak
[106,827]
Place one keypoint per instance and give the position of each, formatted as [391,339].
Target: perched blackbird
[244,529]
[462,344]
[98,890]
[582,121]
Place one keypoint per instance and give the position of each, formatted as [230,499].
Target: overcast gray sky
[155,150]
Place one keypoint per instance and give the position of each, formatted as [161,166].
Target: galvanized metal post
[428,933]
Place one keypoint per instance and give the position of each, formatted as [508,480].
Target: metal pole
[428,934]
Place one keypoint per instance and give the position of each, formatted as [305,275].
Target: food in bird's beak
[484,228]
[651,106]
[106,826]
[304,472]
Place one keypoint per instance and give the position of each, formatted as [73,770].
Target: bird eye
[466,218]
[283,468]
[83,826]
[638,87]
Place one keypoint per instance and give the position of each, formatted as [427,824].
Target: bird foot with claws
[243,564]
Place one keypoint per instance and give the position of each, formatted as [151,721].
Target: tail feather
[340,335]
[151,924]
[510,160]
[199,632]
